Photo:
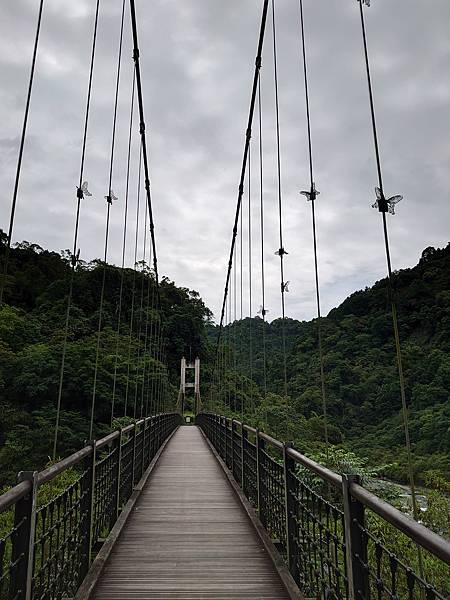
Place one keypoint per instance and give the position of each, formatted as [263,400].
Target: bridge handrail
[270,483]
[46,546]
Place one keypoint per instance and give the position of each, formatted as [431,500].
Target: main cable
[20,157]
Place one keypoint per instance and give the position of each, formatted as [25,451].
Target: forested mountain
[32,324]
[362,388]
[363,397]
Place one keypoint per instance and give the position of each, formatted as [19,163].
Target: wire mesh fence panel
[250,472]
[62,538]
[10,564]
[338,541]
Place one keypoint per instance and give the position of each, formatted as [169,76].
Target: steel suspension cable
[133,288]
[250,279]
[81,191]
[281,251]
[110,197]
[124,242]
[141,308]
[311,196]
[20,156]
[261,214]
[144,367]
[248,135]
[384,206]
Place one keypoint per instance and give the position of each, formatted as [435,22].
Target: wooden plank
[188,536]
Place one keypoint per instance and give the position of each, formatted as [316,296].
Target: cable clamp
[248,133]
[285,286]
[281,252]
[136,54]
[142,127]
[258,62]
[147,185]
[75,258]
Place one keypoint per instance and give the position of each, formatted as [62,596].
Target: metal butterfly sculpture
[312,194]
[110,198]
[263,311]
[83,190]
[386,204]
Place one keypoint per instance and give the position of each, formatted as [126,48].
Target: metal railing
[48,540]
[325,533]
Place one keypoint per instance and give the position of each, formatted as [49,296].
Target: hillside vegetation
[363,397]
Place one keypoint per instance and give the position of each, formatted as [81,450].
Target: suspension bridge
[159,508]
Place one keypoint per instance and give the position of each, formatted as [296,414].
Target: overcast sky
[197,68]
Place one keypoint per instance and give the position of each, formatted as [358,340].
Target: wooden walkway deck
[188,536]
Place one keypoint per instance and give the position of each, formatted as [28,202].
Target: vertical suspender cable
[19,159]
[109,200]
[124,242]
[250,280]
[281,251]
[144,366]
[133,289]
[312,195]
[141,308]
[261,213]
[248,135]
[81,190]
[383,207]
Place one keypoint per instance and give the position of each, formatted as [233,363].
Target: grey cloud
[197,64]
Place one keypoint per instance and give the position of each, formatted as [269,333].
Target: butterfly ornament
[83,191]
[285,286]
[281,252]
[110,198]
[262,311]
[386,204]
[312,194]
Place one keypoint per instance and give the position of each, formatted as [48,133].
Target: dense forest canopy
[362,388]
[363,396]
[32,322]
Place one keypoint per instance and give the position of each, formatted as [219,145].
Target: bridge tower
[186,385]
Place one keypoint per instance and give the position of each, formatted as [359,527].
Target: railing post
[149,442]
[87,509]
[118,469]
[259,469]
[143,448]
[355,545]
[289,507]
[233,429]
[225,441]
[244,437]
[133,464]
[23,541]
